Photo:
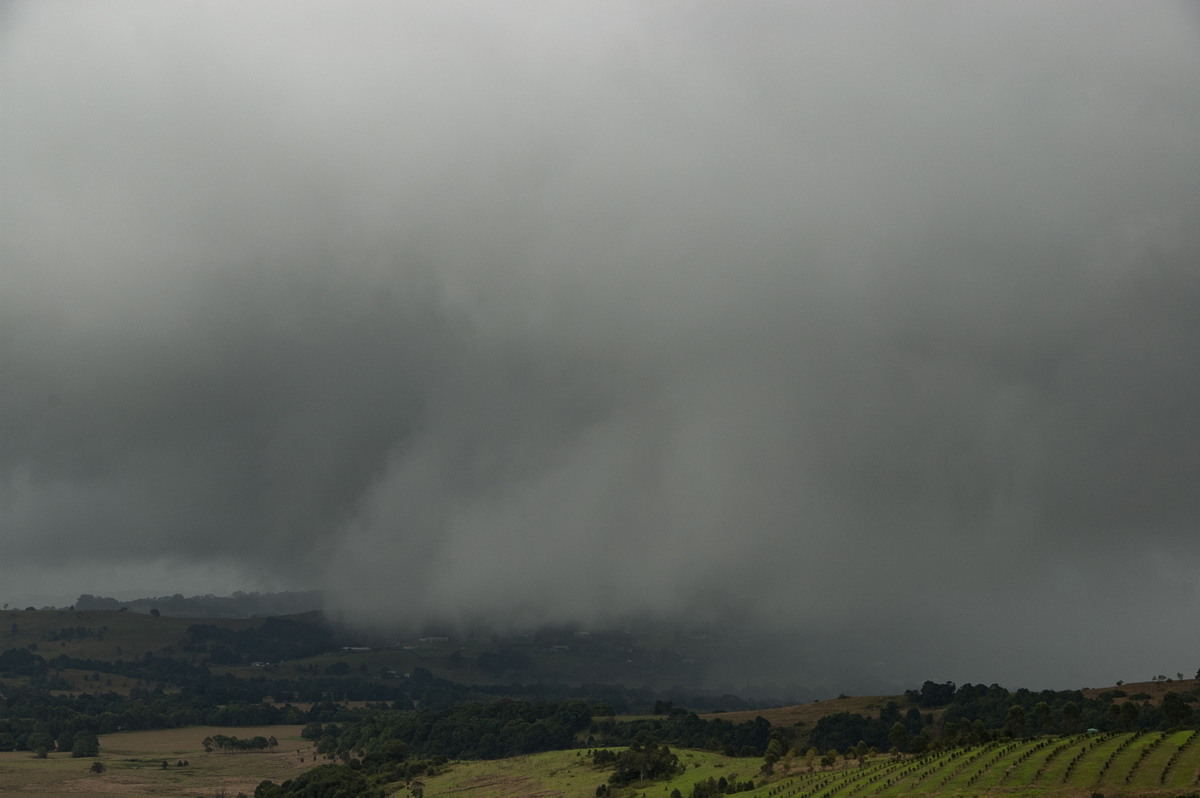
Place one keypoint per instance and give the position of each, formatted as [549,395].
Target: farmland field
[133,764]
[1148,765]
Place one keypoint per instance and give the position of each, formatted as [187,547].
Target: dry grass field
[109,635]
[133,764]
[813,711]
[1156,690]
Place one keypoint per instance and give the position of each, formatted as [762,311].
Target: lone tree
[1014,724]
[898,736]
[85,744]
[1071,716]
[1041,716]
[1175,709]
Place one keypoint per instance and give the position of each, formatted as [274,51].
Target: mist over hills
[643,652]
[75,681]
[870,333]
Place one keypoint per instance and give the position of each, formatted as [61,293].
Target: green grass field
[569,774]
[1147,765]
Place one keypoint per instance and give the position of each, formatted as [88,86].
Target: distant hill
[662,664]
[1150,693]
[239,605]
[308,643]
[100,634]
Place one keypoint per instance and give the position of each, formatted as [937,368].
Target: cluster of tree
[932,694]
[25,707]
[228,744]
[367,775]
[978,712]
[496,729]
[687,730]
[42,737]
[489,730]
[276,639]
[975,714]
[16,662]
[644,760]
[85,743]
[714,788]
[844,730]
[325,781]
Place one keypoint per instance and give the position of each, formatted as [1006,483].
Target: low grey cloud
[873,325]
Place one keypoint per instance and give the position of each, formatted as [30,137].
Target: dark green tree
[776,748]
[1014,723]
[1041,717]
[1071,714]
[85,744]
[1175,709]
[40,737]
[899,736]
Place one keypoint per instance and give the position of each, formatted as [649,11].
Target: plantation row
[1164,763]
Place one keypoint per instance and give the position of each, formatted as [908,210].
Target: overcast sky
[876,323]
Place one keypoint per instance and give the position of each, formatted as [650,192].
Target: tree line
[227,743]
[976,714]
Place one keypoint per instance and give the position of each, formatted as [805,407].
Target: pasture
[133,765]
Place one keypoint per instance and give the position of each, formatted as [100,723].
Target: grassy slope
[1057,767]
[569,774]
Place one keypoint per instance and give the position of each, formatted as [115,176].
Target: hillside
[307,643]
[100,634]
[380,708]
[310,644]
[1149,765]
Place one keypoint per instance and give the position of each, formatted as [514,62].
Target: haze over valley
[870,332]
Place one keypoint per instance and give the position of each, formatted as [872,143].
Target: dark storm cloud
[871,324]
